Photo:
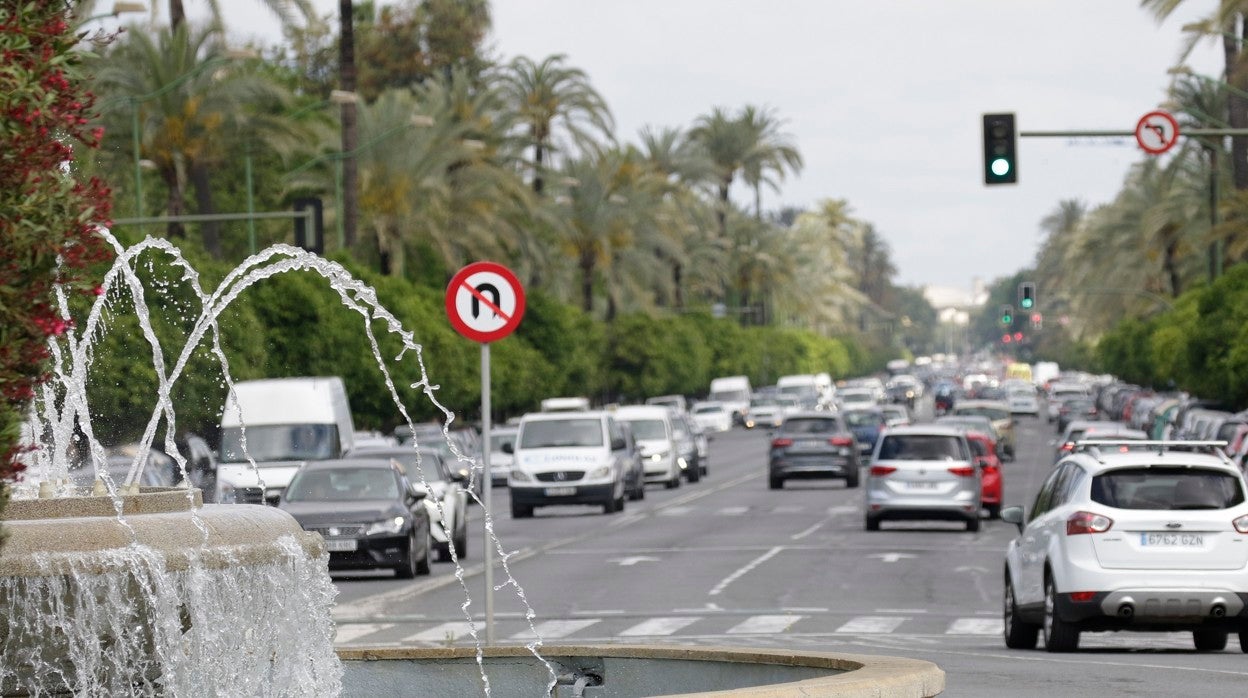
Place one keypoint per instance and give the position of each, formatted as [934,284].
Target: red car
[984,449]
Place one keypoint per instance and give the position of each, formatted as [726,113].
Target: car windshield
[343,485]
[863,418]
[285,442]
[647,429]
[810,426]
[1167,489]
[921,447]
[554,433]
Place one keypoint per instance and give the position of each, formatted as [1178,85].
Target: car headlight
[599,472]
[658,456]
[520,476]
[392,526]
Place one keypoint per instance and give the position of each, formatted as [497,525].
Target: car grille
[338,530]
[249,495]
[561,476]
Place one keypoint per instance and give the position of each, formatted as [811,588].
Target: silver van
[923,472]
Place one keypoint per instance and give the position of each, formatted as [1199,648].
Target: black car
[813,445]
[367,511]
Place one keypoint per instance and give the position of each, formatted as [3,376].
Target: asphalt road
[729,562]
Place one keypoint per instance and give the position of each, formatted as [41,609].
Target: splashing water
[188,664]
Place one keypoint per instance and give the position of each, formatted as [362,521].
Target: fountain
[122,590]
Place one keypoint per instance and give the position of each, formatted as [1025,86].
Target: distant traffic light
[1026,295]
[1007,315]
[1000,149]
[1037,321]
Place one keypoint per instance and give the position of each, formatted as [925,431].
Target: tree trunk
[678,288]
[346,78]
[173,229]
[177,14]
[587,282]
[209,230]
[1170,264]
[722,214]
[539,153]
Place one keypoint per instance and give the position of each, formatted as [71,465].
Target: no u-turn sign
[484,302]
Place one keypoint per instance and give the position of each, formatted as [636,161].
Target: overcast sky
[882,97]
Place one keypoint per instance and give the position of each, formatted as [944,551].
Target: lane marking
[552,629]
[733,511]
[901,610]
[354,631]
[655,627]
[873,624]
[756,625]
[745,570]
[442,633]
[976,626]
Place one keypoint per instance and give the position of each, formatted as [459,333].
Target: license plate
[560,491]
[1172,540]
[922,485]
[349,545]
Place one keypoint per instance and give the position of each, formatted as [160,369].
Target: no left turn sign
[484,302]
[1157,132]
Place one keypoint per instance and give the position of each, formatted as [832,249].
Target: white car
[764,413]
[1023,401]
[712,416]
[1130,535]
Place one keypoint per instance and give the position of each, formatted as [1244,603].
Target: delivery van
[279,424]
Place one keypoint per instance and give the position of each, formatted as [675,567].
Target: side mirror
[1013,515]
[509,447]
[618,444]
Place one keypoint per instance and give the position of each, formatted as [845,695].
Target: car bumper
[1156,608]
[812,467]
[371,552]
[957,507]
[568,494]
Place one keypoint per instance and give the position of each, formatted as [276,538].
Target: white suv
[1131,535]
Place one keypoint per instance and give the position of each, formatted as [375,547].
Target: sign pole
[488,486]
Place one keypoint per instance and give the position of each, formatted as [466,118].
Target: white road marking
[632,560]
[976,626]
[733,511]
[901,610]
[891,557]
[788,509]
[872,624]
[457,630]
[659,626]
[806,532]
[757,625]
[556,628]
[353,631]
[745,570]
[675,511]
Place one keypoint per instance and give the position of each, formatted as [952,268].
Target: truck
[734,392]
[279,424]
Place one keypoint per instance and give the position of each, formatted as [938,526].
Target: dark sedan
[813,445]
[367,511]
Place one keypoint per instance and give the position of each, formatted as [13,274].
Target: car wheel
[851,480]
[1019,634]
[972,525]
[1059,636]
[1243,641]
[775,483]
[872,523]
[461,542]
[673,483]
[636,493]
[422,562]
[994,510]
[694,473]
[1209,639]
[406,569]
[444,551]
[521,511]
[703,469]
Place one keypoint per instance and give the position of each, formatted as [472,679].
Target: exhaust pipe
[1218,611]
[1127,610]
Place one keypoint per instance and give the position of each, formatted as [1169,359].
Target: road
[729,562]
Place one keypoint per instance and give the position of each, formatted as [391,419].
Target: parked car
[814,444]
[575,458]
[1147,540]
[712,416]
[923,472]
[446,495]
[368,512]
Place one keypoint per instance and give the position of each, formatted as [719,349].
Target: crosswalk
[667,626]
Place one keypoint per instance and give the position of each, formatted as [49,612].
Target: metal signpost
[485,302]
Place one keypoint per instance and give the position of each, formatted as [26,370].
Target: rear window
[810,426]
[1167,489]
[561,433]
[922,447]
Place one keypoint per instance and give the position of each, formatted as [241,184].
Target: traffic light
[1037,321]
[1007,316]
[1000,149]
[1026,295]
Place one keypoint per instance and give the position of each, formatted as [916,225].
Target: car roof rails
[1094,446]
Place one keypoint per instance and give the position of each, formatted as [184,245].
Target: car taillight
[841,441]
[963,471]
[1068,446]
[781,443]
[1241,524]
[882,470]
[1087,522]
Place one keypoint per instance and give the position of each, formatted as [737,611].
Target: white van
[656,439]
[567,458]
[734,392]
[812,390]
[286,422]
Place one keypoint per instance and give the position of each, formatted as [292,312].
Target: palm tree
[772,153]
[727,143]
[550,97]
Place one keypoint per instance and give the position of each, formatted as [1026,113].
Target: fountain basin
[170,598]
[619,671]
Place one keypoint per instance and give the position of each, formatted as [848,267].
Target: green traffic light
[1000,167]
[1007,320]
[1027,303]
